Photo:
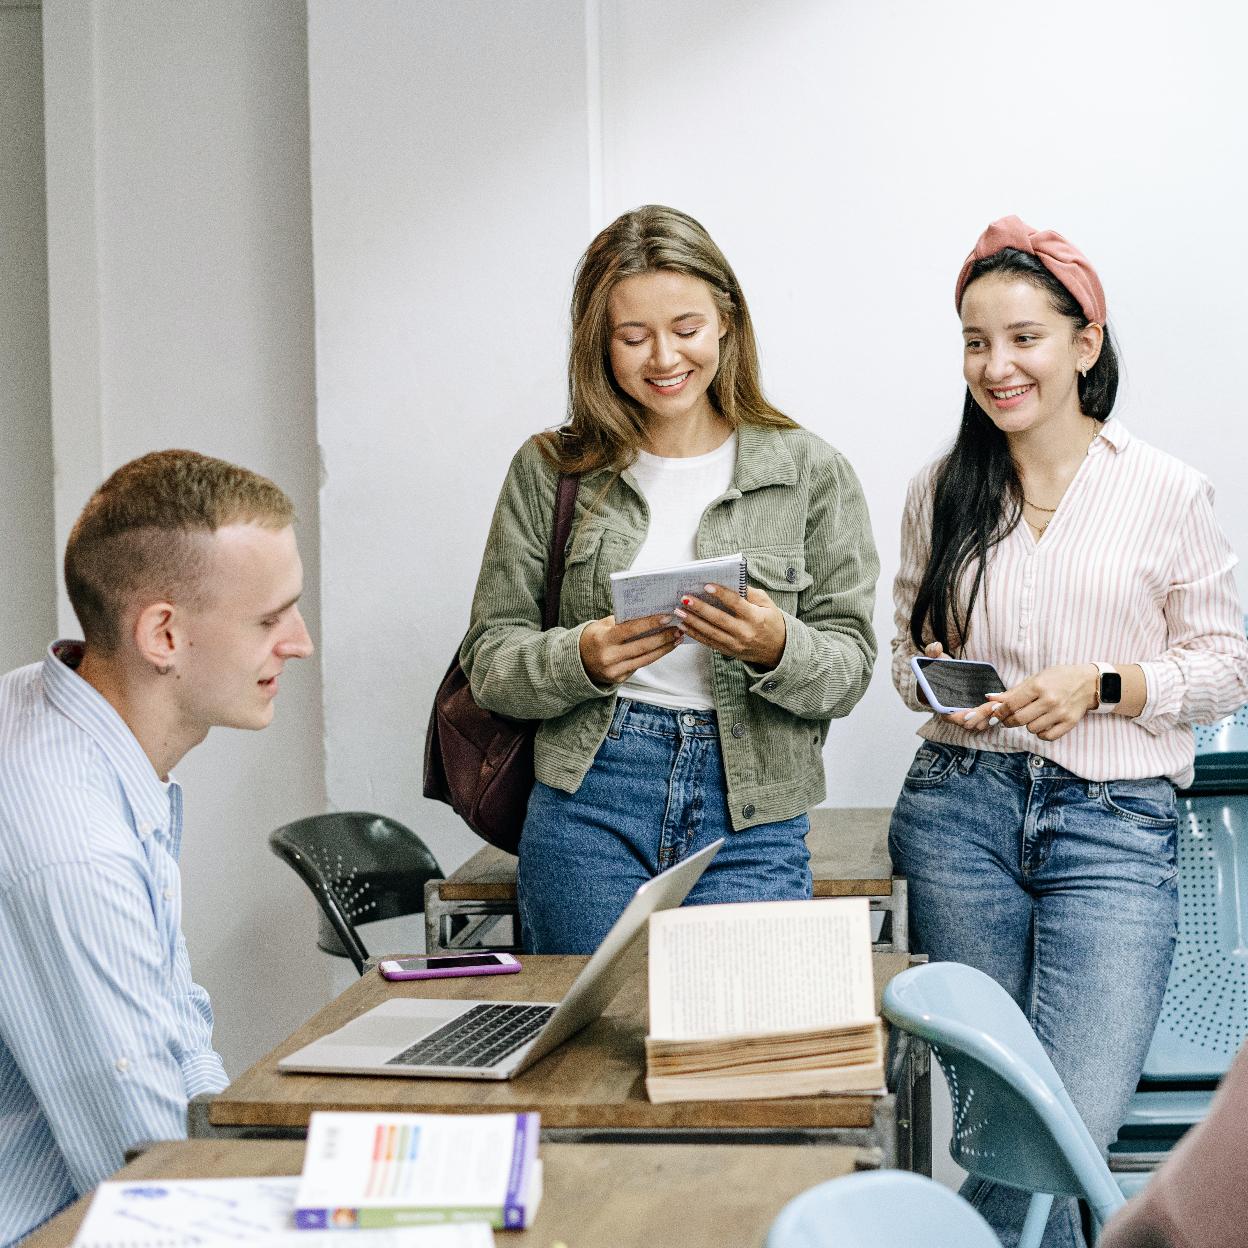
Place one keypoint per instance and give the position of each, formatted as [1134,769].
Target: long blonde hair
[605,426]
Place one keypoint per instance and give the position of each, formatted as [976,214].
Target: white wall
[181,315]
[844,155]
[27,552]
[450,199]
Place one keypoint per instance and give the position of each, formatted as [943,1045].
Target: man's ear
[154,636]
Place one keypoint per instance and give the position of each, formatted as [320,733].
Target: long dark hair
[977,497]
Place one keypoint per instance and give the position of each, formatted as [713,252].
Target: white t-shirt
[678,491]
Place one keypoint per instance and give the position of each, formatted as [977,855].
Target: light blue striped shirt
[103,1034]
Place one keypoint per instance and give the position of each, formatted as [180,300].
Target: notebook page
[659,591]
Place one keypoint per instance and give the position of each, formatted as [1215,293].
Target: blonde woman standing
[649,749]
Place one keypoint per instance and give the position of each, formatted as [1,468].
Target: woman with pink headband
[1037,830]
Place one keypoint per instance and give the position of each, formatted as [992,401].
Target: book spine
[341,1219]
[519,1177]
[742,581]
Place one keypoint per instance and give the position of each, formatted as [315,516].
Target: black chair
[361,868]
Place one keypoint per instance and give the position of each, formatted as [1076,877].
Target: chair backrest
[880,1207]
[1013,1121]
[1222,755]
[360,867]
[1204,1014]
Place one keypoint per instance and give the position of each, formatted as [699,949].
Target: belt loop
[618,716]
[966,764]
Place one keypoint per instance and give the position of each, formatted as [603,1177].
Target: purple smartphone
[447,966]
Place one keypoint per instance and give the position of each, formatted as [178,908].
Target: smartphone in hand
[956,684]
[448,966]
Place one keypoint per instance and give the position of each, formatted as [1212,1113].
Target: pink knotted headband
[1064,260]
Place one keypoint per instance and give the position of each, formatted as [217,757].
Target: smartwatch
[1108,688]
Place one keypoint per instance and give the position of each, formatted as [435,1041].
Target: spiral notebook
[658,591]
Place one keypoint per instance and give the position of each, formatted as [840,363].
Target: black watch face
[1111,687]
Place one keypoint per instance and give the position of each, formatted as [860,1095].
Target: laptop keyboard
[481,1037]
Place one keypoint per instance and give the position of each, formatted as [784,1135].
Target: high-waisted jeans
[1065,892]
[655,794]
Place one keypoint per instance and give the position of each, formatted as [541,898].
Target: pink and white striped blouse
[1132,568]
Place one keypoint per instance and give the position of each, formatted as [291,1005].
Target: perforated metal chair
[883,1207]
[1013,1121]
[361,868]
[1204,1014]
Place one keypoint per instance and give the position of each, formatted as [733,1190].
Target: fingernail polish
[993,722]
[711,589]
[684,602]
[970,715]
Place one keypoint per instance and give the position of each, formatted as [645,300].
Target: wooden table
[848,858]
[590,1088]
[596,1195]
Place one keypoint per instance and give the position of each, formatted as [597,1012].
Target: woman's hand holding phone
[1048,704]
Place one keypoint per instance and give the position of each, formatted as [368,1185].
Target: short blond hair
[141,534]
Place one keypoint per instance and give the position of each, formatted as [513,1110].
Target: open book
[762,999]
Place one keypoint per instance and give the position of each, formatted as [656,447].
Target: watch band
[1108,688]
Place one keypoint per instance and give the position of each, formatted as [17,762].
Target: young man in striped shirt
[185,577]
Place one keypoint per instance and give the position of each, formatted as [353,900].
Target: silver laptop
[492,1039]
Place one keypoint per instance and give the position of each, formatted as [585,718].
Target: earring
[1083,370]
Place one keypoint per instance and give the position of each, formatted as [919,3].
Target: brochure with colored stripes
[385,1170]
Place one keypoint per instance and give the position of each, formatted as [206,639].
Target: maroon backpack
[480,763]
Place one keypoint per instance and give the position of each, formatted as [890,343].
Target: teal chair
[880,1207]
[1204,1015]
[1013,1121]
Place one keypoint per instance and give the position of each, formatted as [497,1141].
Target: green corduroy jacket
[795,508]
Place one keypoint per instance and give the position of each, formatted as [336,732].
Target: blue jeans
[655,794]
[1065,892]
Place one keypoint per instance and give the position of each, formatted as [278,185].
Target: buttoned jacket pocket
[580,598]
[782,573]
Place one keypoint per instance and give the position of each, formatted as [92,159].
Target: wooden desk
[596,1195]
[591,1087]
[848,858]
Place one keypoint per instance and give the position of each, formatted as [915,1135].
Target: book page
[760,966]
[634,594]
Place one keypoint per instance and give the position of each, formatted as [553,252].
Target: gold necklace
[1049,511]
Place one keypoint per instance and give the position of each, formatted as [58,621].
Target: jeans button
[688,720]
[1037,762]
[748,810]
[738,730]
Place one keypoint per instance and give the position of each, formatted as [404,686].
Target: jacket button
[790,575]
[738,730]
[770,686]
[748,810]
